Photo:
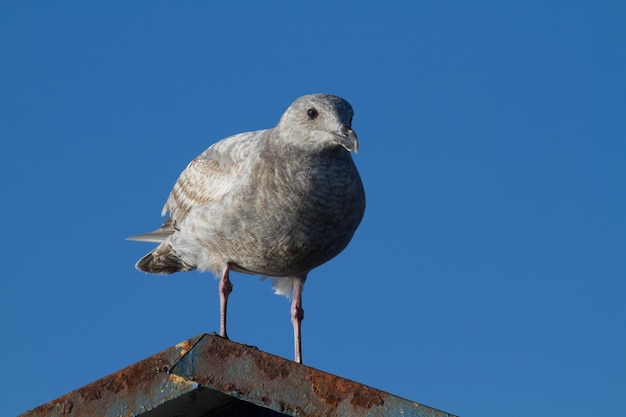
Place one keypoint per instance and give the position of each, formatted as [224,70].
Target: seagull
[276,203]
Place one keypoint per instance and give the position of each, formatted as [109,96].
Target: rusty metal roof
[211,376]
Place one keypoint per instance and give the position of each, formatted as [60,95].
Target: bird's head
[319,121]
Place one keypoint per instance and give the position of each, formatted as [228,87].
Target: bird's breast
[303,214]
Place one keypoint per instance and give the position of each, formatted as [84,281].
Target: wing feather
[211,175]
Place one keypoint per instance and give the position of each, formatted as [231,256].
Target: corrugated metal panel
[211,376]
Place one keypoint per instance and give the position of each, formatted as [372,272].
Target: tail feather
[157,236]
[163,260]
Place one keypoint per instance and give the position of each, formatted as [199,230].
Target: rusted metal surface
[128,392]
[293,389]
[211,376]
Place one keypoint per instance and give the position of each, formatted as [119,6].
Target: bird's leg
[297,315]
[225,288]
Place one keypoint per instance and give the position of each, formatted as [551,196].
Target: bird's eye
[312,113]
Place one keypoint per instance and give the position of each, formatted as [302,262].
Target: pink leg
[225,288]
[297,315]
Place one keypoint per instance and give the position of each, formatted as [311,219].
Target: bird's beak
[347,138]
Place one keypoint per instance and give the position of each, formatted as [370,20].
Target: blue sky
[488,275]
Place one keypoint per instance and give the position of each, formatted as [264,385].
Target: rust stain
[217,355]
[91,399]
[185,346]
[125,379]
[367,397]
[105,389]
[271,367]
[333,390]
[221,362]
[223,348]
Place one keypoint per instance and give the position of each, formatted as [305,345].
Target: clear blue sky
[488,276]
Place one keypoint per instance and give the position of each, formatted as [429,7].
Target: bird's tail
[157,236]
[163,260]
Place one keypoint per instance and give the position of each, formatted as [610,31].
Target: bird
[276,203]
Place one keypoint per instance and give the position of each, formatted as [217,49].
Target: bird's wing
[206,179]
[212,174]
